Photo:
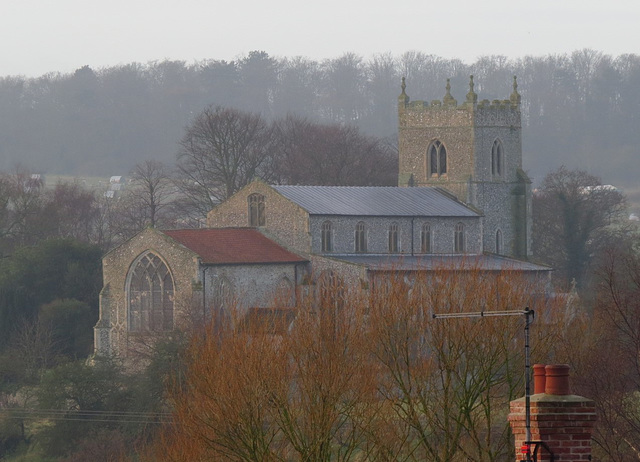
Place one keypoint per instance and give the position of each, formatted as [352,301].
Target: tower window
[393,238]
[361,237]
[458,242]
[499,242]
[425,238]
[497,159]
[256,210]
[327,236]
[437,158]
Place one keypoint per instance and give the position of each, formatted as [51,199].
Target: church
[462,201]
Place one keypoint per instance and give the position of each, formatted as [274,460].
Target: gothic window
[331,291]
[285,292]
[458,244]
[425,238]
[361,237]
[150,292]
[256,210]
[224,297]
[327,236]
[499,242]
[437,158]
[497,158]
[393,238]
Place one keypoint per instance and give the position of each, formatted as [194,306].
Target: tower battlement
[480,113]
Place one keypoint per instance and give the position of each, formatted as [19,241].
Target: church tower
[473,150]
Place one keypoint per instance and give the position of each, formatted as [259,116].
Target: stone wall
[409,233]
[285,222]
[252,285]
[111,332]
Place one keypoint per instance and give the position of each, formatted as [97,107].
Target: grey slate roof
[375,201]
[485,262]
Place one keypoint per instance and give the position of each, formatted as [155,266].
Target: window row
[437,159]
[393,235]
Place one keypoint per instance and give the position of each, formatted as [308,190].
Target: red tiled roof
[232,246]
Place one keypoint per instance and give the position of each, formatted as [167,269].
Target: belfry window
[256,210]
[393,238]
[437,159]
[327,236]
[497,158]
[150,293]
[361,237]
[458,241]
[425,238]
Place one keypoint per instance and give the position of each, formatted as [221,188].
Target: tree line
[220,152]
[579,109]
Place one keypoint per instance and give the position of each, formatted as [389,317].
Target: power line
[88,415]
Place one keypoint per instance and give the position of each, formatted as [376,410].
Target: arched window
[393,238]
[224,297]
[437,158]
[331,291]
[425,238]
[497,159]
[150,292]
[285,293]
[327,236]
[361,237]
[499,242]
[458,244]
[256,210]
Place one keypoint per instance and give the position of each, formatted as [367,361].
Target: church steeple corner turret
[472,97]
[515,96]
[403,99]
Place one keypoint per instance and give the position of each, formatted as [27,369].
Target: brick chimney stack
[561,423]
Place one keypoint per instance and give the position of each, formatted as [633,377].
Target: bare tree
[222,151]
[364,375]
[333,154]
[152,190]
[69,211]
[573,214]
[20,206]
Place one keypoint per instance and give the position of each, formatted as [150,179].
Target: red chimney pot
[557,379]
[539,378]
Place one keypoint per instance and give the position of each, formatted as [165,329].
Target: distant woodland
[580,109]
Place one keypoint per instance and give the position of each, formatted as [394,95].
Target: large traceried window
[458,244]
[150,293]
[361,237]
[425,238]
[256,210]
[327,236]
[393,238]
[437,159]
[497,159]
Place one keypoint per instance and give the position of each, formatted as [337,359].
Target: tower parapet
[484,112]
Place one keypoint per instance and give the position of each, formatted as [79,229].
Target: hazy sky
[40,36]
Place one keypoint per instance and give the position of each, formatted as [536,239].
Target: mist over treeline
[579,109]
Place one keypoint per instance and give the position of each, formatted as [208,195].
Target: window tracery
[150,294]
[437,159]
[256,210]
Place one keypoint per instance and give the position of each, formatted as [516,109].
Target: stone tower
[474,150]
